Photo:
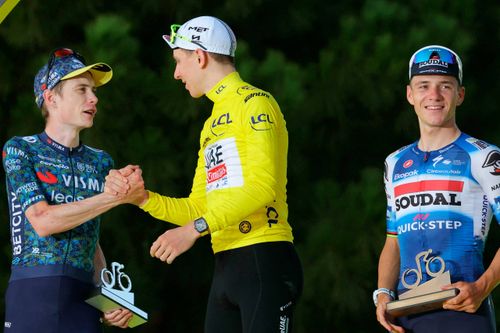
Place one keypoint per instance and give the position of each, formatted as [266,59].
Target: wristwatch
[379,291]
[201,226]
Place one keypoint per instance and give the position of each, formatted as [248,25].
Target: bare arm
[388,272]
[52,219]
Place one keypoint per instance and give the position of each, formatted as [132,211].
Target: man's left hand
[468,300]
[174,242]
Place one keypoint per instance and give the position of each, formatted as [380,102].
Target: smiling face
[435,98]
[75,105]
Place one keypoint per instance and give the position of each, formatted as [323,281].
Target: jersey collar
[59,147]
[219,90]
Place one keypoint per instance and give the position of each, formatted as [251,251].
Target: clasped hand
[127,185]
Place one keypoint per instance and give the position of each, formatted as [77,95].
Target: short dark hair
[222,58]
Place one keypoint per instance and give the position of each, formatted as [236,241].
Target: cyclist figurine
[239,189]
[54,186]
[442,191]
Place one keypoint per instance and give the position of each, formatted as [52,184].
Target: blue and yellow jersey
[239,185]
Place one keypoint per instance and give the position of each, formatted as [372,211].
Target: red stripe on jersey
[429,185]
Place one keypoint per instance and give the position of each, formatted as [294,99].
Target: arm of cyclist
[388,272]
[52,219]
[472,294]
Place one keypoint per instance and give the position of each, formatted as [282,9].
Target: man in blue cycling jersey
[442,192]
[54,187]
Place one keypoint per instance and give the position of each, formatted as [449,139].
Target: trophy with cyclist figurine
[426,296]
[107,297]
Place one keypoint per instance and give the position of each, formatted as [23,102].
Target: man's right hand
[127,183]
[383,317]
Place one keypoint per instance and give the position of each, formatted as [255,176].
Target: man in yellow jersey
[239,189]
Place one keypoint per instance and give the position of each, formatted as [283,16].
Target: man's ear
[409,95]
[202,58]
[49,97]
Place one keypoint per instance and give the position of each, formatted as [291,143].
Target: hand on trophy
[118,317]
[174,242]
[468,300]
[383,317]
[127,184]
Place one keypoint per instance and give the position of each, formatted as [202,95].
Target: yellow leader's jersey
[239,186]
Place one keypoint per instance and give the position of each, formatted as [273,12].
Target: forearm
[388,268]
[491,277]
[51,219]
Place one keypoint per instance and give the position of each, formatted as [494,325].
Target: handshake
[127,185]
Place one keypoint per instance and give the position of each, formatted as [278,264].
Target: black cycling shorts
[254,289]
[50,305]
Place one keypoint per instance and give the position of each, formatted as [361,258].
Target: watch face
[200,225]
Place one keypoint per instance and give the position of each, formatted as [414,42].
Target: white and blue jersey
[39,169]
[442,201]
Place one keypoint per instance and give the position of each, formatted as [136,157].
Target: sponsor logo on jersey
[245,227]
[54,165]
[29,139]
[405,174]
[485,215]
[495,187]
[493,162]
[477,143]
[16,219]
[223,119]
[244,89]
[88,168]
[221,173]
[407,164]
[12,165]
[429,225]
[408,194]
[27,188]
[261,122]
[13,151]
[46,177]
[83,183]
[272,216]
[217,173]
[60,198]
[440,159]
[220,89]
[256,94]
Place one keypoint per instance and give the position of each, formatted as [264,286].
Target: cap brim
[101,73]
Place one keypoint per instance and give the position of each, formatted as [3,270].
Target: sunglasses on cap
[435,59]
[60,53]
[173,35]
[431,53]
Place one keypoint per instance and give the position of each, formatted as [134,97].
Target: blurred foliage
[338,70]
